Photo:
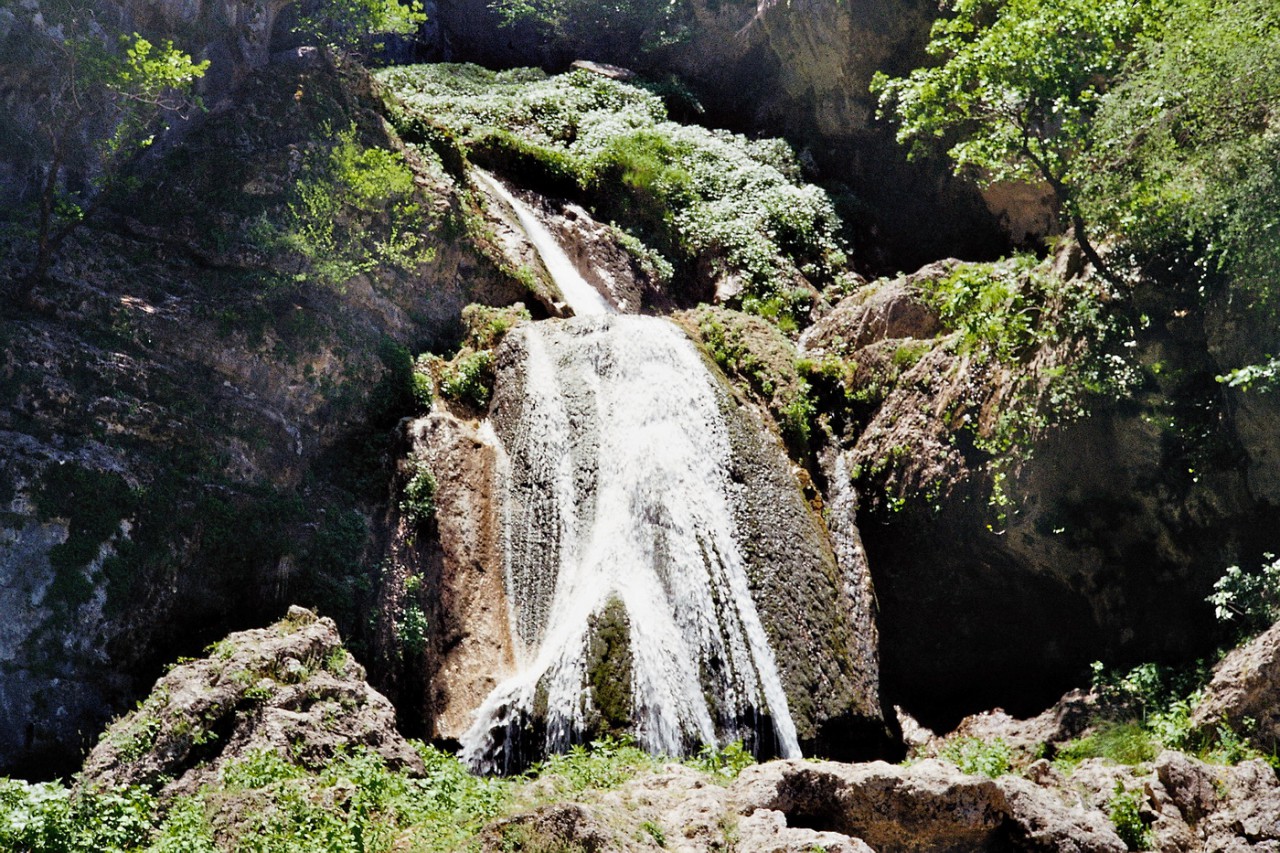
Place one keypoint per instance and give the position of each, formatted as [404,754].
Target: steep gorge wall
[190,439]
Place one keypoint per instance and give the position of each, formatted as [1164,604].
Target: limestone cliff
[193,437]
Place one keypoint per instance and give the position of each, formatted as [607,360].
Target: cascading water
[616,497]
[577,291]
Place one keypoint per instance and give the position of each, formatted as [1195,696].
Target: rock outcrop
[1245,692]
[291,689]
[927,806]
[190,438]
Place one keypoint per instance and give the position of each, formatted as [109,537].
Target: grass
[264,802]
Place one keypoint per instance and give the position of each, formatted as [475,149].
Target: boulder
[291,688]
[883,311]
[1246,687]
[927,806]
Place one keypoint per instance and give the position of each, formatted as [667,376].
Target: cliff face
[801,70]
[190,438]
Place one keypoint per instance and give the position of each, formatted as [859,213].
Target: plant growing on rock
[1124,809]
[990,758]
[354,210]
[418,501]
[1249,599]
[721,205]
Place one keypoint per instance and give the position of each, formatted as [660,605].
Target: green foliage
[722,762]
[1184,148]
[418,501]
[487,326]
[354,210]
[707,200]
[469,379]
[606,763]
[353,804]
[411,630]
[100,103]
[1123,743]
[1124,810]
[48,818]
[1015,313]
[644,26]
[1018,83]
[1251,600]
[356,25]
[990,758]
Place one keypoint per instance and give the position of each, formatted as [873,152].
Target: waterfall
[578,293]
[617,489]
[617,504]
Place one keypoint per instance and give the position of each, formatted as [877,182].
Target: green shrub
[1124,810]
[411,630]
[354,210]
[487,326]
[469,379]
[990,758]
[723,762]
[418,502]
[1251,600]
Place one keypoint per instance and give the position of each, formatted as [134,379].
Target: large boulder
[927,806]
[291,689]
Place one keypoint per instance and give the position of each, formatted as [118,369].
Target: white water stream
[577,291]
[616,487]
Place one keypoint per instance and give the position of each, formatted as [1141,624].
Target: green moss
[609,667]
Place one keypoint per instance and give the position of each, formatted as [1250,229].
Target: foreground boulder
[927,806]
[291,688]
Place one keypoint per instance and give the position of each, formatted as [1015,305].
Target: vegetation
[354,210]
[1150,121]
[1250,600]
[1123,809]
[418,501]
[1182,153]
[703,199]
[990,758]
[265,802]
[102,103]
[356,26]
[643,26]
[761,362]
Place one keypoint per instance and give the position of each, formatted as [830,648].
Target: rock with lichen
[290,688]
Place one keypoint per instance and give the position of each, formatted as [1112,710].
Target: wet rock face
[460,564]
[816,613]
[291,689]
